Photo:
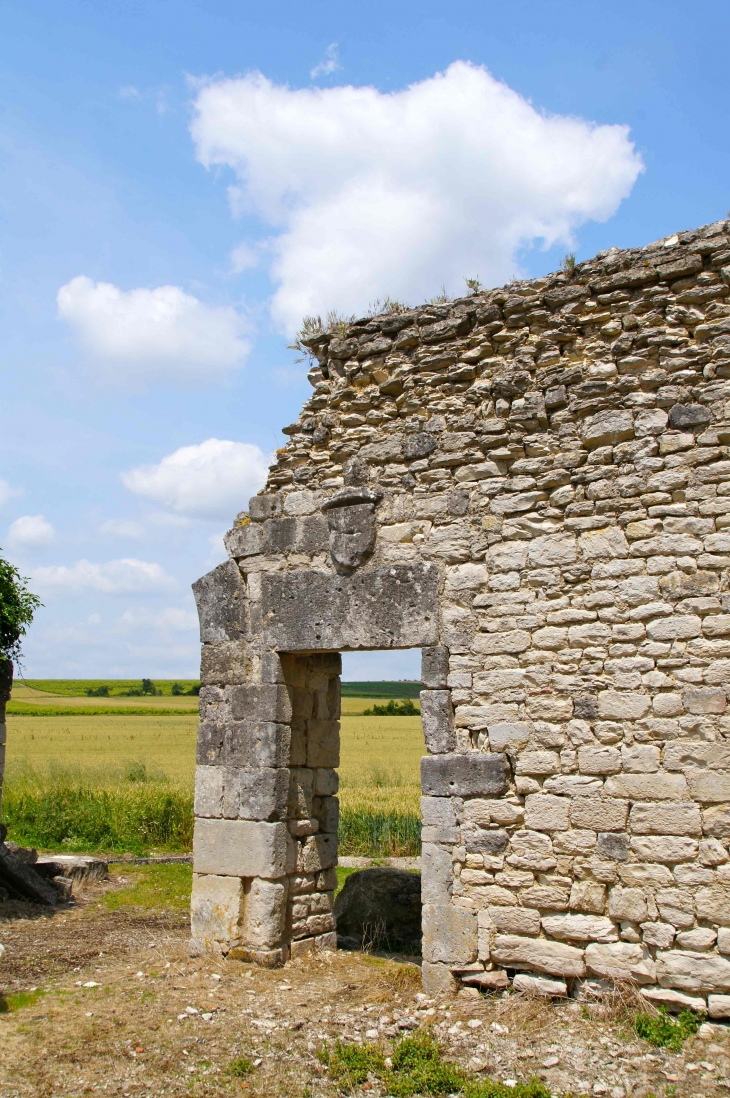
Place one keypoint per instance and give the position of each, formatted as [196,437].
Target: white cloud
[375,194]
[30,532]
[330,63]
[116,577]
[122,528]
[243,258]
[211,480]
[172,619]
[7,492]
[152,336]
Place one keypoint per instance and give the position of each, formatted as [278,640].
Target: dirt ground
[104,999]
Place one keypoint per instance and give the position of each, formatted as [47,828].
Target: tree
[17,607]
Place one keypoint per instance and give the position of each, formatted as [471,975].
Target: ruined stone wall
[533,485]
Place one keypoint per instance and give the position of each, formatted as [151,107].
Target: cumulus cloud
[30,532]
[116,577]
[211,480]
[122,528]
[330,62]
[159,336]
[373,194]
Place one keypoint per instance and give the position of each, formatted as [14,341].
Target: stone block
[666,818]
[627,904]
[510,736]
[449,934]
[469,775]
[622,705]
[554,958]
[589,896]
[216,909]
[262,507]
[253,743]
[261,702]
[265,911]
[437,979]
[676,906]
[208,791]
[723,940]
[437,874]
[540,986]
[478,840]
[694,972]
[709,786]
[716,822]
[327,811]
[599,760]
[713,904]
[574,842]
[323,744]
[647,787]
[580,928]
[608,428]
[434,667]
[599,813]
[244,541]
[301,792]
[658,935]
[704,700]
[221,601]
[620,961]
[544,812]
[514,920]
[700,939]
[537,763]
[669,849]
[437,720]
[228,663]
[326,782]
[718,1006]
[255,793]
[673,1001]
[696,754]
[317,852]
[612,845]
[394,607]
[439,812]
[240,848]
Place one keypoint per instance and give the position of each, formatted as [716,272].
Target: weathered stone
[620,961]
[240,848]
[434,667]
[580,928]
[388,608]
[718,1006]
[540,985]
[698,972]
[537,953]
[221,604]
[437,719]
[673,1001]
[665,819]
[470,775]
[449,935]
[216,909]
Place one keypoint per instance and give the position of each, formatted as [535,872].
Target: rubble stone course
[531,484]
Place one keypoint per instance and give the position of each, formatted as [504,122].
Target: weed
[416,1068]
[351,1064]
[240,1067]
[473,285]
[568,264]
[442,298]
[664,1032]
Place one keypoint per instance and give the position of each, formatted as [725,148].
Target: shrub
[17,607]
[393,709]
[664,1032]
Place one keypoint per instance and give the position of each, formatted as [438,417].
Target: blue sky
[166,216]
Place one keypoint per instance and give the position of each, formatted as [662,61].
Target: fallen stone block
[540,985]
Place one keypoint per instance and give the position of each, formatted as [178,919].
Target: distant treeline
[114,688]
[381,689]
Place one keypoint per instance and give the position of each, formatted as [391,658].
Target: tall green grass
[136,810]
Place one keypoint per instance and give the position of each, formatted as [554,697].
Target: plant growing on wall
[17,607]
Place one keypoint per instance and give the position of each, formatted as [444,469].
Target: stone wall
[532,485]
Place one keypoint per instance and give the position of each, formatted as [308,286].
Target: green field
[118,781]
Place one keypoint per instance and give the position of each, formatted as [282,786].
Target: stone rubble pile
[532,485]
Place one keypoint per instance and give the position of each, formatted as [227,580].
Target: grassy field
[122,782]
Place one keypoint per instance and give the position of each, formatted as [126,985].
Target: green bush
[664,1032]
[17,607]
[393,709]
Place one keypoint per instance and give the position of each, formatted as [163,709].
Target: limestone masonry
[532,485]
